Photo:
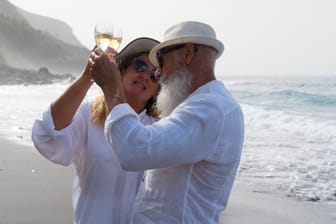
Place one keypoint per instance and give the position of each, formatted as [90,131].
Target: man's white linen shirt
[102,191]
[191,156]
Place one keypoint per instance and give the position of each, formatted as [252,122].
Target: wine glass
[107,35]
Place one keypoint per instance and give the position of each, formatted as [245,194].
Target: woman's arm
[65,107]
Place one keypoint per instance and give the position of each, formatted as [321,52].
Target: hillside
[25,47]
[10,10]
[55,27]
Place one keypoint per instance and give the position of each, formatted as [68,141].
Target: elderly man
[191,155]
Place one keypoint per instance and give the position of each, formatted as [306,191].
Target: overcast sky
[261,37]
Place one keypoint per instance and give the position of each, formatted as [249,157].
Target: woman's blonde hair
[98,106]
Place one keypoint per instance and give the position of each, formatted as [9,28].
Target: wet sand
[32,189]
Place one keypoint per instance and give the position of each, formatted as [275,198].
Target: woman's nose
[145,75]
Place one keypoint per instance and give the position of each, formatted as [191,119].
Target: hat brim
[137,46]
[217,45]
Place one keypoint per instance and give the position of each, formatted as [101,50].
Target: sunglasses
[163,51]
[141,66]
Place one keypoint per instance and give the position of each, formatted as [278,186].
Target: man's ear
[189,53]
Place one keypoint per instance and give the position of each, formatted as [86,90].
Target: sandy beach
[34,191]
[248,207]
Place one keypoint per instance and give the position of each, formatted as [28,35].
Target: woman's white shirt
[102,191]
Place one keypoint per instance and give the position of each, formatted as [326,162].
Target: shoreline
[33,190]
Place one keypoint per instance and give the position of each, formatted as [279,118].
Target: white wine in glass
[107,35]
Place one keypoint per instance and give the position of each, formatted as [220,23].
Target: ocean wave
[320,99]
[313,128]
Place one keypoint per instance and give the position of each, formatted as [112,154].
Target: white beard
[174,90]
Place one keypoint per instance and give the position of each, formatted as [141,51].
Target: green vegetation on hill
[24,47]
[57,28]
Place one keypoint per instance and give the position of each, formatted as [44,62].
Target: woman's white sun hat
[136,46]
[188,32]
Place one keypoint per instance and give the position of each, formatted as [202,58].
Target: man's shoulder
[214,92]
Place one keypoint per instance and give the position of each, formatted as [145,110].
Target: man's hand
[106,74]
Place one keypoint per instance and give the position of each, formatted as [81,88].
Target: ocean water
[290,139]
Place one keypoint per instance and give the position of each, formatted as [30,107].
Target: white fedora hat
[135,47]
[188,32]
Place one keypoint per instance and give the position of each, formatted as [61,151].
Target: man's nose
[158,73]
